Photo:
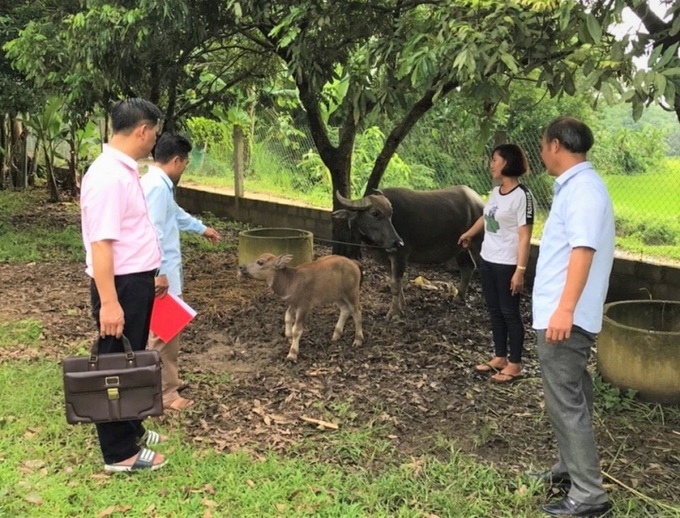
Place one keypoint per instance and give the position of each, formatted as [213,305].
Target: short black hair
[571,133]
[516,163]
[170,145]
[127,114]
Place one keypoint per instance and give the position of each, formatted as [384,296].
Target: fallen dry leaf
[33,464]
[107,512]
[34,499]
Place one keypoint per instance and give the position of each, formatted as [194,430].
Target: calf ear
[282,261]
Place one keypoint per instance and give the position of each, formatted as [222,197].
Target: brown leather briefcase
[113,386]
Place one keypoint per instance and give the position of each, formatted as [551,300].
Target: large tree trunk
[337,159]
[17,155]
[169,122]
[345,241]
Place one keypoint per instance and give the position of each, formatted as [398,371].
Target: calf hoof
[357,342]
[335,337]
[291,358]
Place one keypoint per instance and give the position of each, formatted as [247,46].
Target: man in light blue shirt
[572,276]
[171,157]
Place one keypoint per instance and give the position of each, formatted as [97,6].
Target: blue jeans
[506,320]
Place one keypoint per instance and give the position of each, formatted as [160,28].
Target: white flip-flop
[150,438]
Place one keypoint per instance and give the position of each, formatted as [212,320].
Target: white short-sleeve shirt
[503,215]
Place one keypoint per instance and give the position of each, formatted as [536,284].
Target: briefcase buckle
[113,394]
[112,381]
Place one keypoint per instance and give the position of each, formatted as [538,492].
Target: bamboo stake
[640,495]
[322,424]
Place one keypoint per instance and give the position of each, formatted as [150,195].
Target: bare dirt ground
[411,382]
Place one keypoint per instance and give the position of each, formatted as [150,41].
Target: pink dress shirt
[113,207]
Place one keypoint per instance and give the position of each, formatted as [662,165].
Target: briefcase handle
[129,353]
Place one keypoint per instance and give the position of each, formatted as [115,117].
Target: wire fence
[646,201]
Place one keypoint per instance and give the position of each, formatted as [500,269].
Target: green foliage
[629,151]
[208,134]
[610,398]
[650,231]
[367,146]
[87,143]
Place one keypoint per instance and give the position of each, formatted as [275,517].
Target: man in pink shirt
[122,256]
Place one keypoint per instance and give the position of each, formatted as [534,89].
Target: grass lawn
[52,469]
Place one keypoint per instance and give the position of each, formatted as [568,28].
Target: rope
[472,258]
[346,243]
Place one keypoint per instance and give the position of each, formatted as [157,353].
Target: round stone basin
[277,241]
[639,348]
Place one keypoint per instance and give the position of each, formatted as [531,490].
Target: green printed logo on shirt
[491,223]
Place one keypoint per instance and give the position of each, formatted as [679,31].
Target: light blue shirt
[168,218]
[581,216]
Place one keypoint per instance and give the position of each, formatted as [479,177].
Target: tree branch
[400,131]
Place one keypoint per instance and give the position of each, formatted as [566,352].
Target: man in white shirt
[570,287]
[171,157]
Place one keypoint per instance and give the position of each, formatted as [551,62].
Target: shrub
[629,152]
[650,231]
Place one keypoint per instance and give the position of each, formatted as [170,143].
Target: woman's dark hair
[516,163]
[128,114]
[170,145]
[572,134]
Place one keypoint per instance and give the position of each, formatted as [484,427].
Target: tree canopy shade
[399,57]
[660,38]
[181,55]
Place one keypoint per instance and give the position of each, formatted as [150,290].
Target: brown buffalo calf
[332,279]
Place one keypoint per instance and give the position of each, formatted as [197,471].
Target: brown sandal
[485,368]
[509,377]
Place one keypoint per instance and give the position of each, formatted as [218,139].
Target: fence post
[238,161]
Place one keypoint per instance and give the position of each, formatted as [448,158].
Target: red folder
[170,314]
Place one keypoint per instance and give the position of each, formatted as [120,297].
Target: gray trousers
[568,390]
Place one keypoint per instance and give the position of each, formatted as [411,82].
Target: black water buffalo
[418,226]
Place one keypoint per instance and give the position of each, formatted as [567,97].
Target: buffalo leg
[398,266]
[467,266]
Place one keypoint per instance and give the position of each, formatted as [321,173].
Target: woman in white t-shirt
[507,222]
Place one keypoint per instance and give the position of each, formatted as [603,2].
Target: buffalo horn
[362,204]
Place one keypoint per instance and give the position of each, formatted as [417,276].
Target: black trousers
[118,440]
[506,320]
